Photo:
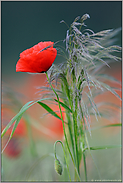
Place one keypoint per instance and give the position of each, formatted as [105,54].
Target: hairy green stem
[60,113]
[76,143]
[64,156]
[74,115]
[75,123]
[65,89]
[63,125]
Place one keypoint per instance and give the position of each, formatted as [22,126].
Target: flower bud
[58,167]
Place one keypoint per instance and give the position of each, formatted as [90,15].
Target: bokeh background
[24,24]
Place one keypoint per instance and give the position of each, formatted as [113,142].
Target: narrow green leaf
[66,85]
[102,147]
[15,126]
[48,109]
[22,110]
[64,105]
[110,125]
[12,132]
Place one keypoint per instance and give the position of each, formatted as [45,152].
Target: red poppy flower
[37,59]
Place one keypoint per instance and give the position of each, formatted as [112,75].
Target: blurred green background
[24,24]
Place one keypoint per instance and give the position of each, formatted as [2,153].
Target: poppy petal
[37,59]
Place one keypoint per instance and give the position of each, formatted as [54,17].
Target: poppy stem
[64,155]
[63,126]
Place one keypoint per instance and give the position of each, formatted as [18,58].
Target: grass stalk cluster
[74,84]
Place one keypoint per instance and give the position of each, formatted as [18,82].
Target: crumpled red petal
[36,61]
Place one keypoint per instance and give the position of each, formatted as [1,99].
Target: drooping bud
[58,167]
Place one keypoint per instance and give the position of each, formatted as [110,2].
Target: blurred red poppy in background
[37,59]
[15,145]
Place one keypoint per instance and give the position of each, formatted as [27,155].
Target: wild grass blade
[48,109]
[12,132]
[22,110]
[103,147]
[107,126]
[64,105]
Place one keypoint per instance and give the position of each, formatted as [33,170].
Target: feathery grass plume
[87,54]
